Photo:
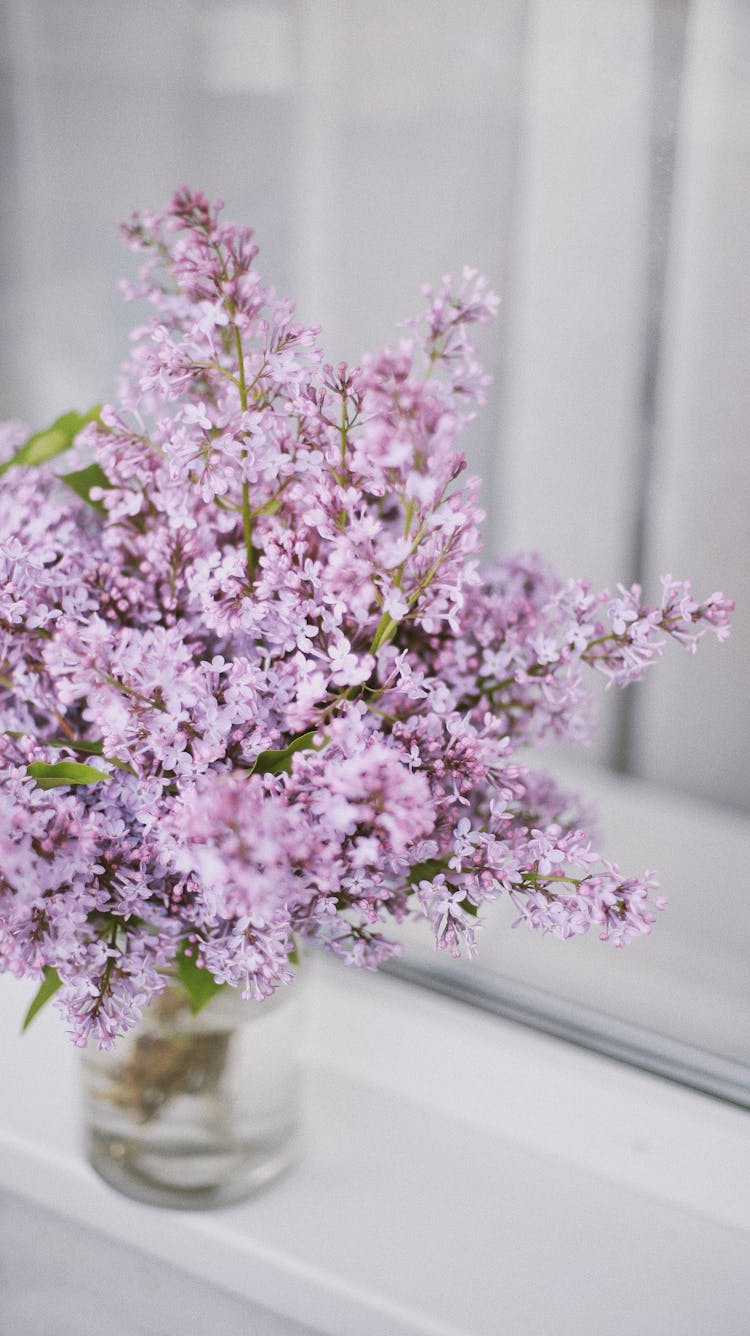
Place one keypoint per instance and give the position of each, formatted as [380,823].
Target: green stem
[247,529]
[128,691]
[537,877]
[104,986]
[343,430]
[247,518]
[390,718]
[386,630]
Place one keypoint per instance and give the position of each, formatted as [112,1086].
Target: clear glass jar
[197,1111]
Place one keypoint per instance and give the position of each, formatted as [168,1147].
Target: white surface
[461,1178]
[60,1278]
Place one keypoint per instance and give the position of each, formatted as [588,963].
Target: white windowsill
[461,1177]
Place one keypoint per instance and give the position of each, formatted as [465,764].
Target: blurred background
[591,157]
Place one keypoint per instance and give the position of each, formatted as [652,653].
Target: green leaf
[273,762]
[53,440]
[47,989]
[63,772]
[82,480]
[199,983]
[90,748]
[428,870]
[95,747]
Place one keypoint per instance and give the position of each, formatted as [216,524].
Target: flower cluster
[255,685]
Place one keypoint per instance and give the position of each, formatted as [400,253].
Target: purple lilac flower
[265,628]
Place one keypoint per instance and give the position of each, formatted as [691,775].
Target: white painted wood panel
[566,474]
[98,113]
[406,150]
[694,723]
[566,479]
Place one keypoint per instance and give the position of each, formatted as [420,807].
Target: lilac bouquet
[255,685]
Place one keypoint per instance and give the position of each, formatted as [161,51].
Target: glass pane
[676,1002]
[592,159]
